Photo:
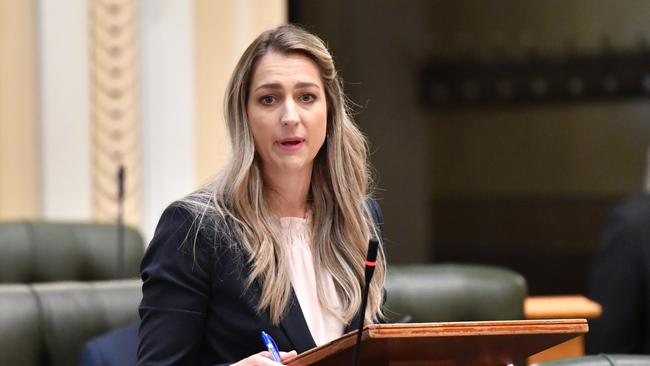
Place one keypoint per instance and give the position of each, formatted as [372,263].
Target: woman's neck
[287,193]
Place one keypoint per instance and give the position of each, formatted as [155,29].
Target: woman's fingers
[259,359]
[288,355]
[264,358]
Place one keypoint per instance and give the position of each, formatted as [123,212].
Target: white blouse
[323,325]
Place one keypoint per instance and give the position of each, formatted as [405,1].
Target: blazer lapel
[295,327]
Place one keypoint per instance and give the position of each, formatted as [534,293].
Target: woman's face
[287,112]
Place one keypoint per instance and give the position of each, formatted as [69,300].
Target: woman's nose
[290,114]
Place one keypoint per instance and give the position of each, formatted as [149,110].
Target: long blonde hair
[342,222]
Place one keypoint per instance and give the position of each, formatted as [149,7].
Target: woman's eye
[307,98]
[268,100]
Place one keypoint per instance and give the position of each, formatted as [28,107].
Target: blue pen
[271,346]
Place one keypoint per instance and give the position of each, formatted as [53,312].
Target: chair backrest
[48,324]
[601,360]
[49,251]
[20,337]
[454,292]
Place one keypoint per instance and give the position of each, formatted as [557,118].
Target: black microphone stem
[120,222]
[371,261]
[362,316]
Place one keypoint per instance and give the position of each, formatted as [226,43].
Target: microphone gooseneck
[371,263]
[120,222]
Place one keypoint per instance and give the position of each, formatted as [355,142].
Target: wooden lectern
[493,343]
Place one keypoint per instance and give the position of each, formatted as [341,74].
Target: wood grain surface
[458,343]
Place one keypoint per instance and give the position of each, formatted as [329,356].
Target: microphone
[371,263]
[120,183]
[120,221]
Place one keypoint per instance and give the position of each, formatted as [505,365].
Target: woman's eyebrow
[307,85]
[269,86]
[275,86]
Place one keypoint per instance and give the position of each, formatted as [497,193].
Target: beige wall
[223,30]
[19,144]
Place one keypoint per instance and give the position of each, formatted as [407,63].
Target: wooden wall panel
[19,137]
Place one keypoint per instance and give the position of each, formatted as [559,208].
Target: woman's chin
[292,166]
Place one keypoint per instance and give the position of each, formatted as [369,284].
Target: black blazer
[196,310]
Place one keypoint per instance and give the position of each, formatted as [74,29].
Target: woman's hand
[264,359]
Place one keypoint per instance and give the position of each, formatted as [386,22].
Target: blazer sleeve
[176,274]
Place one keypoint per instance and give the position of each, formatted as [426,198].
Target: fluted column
[115,112]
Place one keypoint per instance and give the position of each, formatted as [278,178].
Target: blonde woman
[277,242]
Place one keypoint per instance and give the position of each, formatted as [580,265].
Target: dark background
[521,183]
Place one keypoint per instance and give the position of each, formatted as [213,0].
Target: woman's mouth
[291,144]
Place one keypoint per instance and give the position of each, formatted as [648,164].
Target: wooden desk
[486,343]
[561,307]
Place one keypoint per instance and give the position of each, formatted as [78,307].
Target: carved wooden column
[115,117]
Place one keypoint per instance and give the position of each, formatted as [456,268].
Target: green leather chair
[601,360]
[47,324]
[50,251]
[453,292]
[45,317]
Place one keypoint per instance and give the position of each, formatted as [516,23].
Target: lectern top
[457,343]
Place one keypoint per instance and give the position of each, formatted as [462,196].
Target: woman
[277,242]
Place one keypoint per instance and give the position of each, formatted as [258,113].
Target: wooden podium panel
[446,344]
[561,307]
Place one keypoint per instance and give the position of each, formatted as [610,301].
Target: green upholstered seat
[57,288]
[454,292]
[21,342]
[601,360]
[48,323]
[50,251]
